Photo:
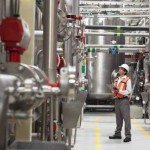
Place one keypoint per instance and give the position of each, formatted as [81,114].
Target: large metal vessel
[99,69]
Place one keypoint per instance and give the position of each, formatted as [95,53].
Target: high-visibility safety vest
[121,86]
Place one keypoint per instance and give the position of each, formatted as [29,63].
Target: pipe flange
[67,82]
[22,71]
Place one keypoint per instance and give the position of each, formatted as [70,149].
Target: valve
[15,34]
[113,50]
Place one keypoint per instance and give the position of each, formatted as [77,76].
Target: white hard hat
[125,66]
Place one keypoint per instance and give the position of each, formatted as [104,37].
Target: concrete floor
[96,127]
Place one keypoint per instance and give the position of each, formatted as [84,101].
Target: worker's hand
[116,89]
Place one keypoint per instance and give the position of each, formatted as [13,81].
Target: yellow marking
[97,136]
[147,134]
[97,139]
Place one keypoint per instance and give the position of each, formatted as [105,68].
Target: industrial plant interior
[59,63]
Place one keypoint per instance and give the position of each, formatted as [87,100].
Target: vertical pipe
[149,27]
[50,39]
[68,44]
[49,54]
[68,52]
[76,57]
[62,5]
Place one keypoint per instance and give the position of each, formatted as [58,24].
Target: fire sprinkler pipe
[110,46]
[129,28]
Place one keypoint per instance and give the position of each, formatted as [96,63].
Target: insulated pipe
[5,81]
[110,46]
[117,34]
[49,56]
[129,28]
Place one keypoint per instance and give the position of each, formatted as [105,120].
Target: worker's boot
[127,139]
[115,137]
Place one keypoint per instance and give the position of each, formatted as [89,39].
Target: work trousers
[122,110]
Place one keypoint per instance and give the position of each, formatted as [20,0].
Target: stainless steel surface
[69,44]
[62,5]
[149,28]
[20,70]
[100,106]
[49,53]
[32,83]
[122,50]
[77,43]
[5,82]
[109,46]
[117,34]
[41,75]
[110,27]
[92,10]
[67,83]
[99,70]
[72,110]
[117,16]
[50,39]
[68,54]
[113,3]
[38,146]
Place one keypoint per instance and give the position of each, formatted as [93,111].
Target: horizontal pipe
[118,16]
[110,46]
[121,50]
[83,2]
[129,28]
[116,34]
[82,10]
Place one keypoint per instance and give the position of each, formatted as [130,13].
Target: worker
[122,89]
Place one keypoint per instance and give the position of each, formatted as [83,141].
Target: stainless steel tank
[99,70]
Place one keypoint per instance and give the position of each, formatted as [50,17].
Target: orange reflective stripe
[121,86]
[115,83]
